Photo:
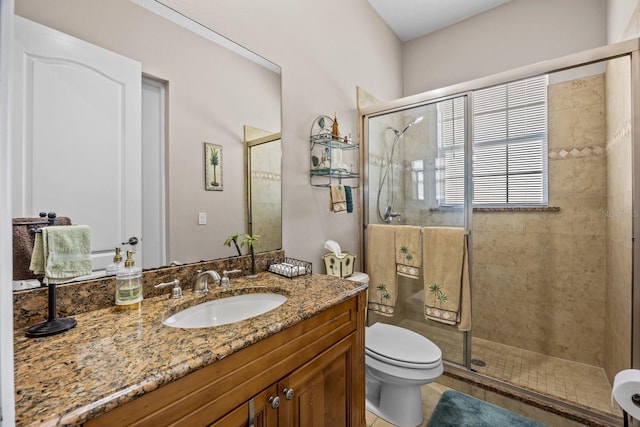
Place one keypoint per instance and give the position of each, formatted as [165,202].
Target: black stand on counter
[52,325]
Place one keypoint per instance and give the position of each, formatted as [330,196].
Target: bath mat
[459,410]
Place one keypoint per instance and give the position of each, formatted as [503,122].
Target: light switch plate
[202,218]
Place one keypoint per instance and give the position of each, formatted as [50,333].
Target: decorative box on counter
[339,267]
[290,267]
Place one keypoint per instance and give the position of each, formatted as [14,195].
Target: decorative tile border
[266,175]
[622,134]
[577,152]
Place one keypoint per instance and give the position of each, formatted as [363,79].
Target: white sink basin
[225,310]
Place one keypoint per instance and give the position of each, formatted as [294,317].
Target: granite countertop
[111,357]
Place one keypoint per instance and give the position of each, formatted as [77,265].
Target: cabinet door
[264,415]
[320,391]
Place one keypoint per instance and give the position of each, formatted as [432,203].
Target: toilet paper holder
[635,398]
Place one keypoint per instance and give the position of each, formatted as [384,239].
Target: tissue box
[339,267]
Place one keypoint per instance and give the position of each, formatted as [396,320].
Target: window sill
[520,209]
[499,209]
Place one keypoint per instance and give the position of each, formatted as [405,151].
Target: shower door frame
[468,97]
[630,48]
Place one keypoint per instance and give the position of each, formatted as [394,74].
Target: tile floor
[430,395]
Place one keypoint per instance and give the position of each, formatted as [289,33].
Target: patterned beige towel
[337,199]
[381,267]
[446,276]
[408,251]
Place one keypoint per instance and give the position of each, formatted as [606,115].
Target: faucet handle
[225,282]
[176,292]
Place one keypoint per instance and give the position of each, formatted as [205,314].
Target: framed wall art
[212,167]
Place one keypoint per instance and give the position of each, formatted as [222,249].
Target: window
[450,158]
[417,176]
[509,145]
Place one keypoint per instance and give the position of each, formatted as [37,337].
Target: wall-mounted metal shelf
[326,165]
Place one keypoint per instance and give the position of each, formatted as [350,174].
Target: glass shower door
[416,175]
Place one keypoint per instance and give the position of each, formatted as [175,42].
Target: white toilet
[398,362]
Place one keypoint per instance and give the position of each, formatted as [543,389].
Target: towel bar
[51,220]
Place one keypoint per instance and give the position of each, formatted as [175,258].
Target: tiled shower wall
[539,277]
[619,216]
[266,195]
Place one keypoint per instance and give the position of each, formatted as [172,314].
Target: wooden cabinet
[314,394]
[257,412]
[315,368]
[321,389]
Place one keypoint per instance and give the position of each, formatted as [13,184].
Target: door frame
[154,172]
[7,402]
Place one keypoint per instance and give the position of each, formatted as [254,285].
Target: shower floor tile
[573,382]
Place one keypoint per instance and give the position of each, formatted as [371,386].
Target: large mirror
[195,94]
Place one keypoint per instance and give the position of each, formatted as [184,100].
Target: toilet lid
[400,346]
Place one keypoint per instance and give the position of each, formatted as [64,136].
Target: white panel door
[77,144]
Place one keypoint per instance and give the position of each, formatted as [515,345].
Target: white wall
[325,49]
[619,13]
[518,33]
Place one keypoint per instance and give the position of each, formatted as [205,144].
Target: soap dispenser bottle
[116,265]
[128,285]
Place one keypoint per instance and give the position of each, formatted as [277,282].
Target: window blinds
[450,162]
[510,143]
[509,146]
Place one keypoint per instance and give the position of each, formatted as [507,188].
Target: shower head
[415,121]
[400,133]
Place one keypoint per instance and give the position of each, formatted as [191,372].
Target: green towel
[37,256]
[62,253]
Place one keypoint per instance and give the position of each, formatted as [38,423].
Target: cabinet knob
[288,393]
[275,401]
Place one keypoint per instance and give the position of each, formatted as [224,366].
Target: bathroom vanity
[301,361]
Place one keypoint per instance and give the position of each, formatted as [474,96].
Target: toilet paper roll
[336,157]
[626,384]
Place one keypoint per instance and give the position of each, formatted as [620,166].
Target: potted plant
[234,239]
[250,241]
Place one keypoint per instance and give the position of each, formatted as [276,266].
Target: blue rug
[458,410]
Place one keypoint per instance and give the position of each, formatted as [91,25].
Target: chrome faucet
[201,286]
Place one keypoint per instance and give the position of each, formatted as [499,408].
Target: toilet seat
[401,347]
